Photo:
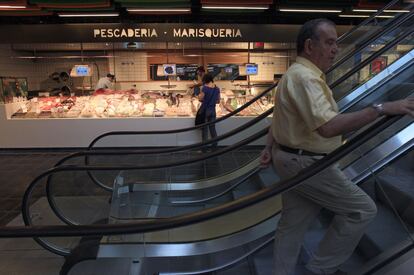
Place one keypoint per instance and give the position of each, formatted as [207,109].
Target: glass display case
[133,103]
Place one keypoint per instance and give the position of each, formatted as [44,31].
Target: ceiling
[183,11]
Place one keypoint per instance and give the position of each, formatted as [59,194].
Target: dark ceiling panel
[71,3]
[26,13]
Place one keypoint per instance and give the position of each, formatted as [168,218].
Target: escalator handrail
[156,151]
[366,21]
[203,215]
[372,57]
[129,152]
[62,168]
[174,131]
[166,150]
[401,20]
[222,193]
[170,150]
[27,196]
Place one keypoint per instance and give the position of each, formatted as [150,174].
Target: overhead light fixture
[372,10]
[235,7]
[353,15]
[169,10]
[11,7]
[311,10]
[64,57]
[364,16]
[111,14]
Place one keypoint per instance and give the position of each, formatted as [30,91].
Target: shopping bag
[200,117]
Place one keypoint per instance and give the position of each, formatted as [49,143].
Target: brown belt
[299,151]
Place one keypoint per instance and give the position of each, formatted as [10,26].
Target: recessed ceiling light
[236,7]
[11,7]
[311,10]
[112,14]
[160,10]
[373,10]
[364,16]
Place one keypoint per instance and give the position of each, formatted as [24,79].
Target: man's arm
[198,84]
[266,155]
[345,123]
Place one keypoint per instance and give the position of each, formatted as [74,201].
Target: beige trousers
[330,189]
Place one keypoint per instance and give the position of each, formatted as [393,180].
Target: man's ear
[308,46]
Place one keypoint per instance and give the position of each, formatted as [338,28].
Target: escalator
[230,238]
[249,228]
[253,226]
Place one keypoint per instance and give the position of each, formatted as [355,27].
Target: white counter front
[79,132]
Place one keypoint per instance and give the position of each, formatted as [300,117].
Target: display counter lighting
[112,14]
[311,10]
[236,7]
[64,57]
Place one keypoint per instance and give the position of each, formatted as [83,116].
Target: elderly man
[306,126]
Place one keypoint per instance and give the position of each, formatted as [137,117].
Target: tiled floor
[17,170]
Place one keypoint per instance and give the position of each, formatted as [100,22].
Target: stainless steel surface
[382,154]
[197,185]
[211,229]
[225,265]
[170,248]
[369,87]
[232,187]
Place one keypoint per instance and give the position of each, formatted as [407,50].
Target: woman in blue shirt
[209,96]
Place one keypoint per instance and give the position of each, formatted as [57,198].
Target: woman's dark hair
[64,75]
[310,30]
[207,78]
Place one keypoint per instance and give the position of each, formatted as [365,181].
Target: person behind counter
[106,82]
[198,82]
[209,96]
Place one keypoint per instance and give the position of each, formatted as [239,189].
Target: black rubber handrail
[157,151]
[112,152]
[401,20]
[166,150]
[191,218]
[26,198]
[340,39]
[175,131]
[372,57]
[366,21]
